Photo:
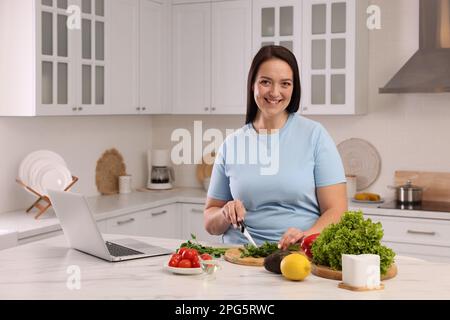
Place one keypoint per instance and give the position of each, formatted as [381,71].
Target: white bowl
[206,183]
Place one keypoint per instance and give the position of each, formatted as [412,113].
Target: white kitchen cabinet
[334,61]
[278,23]
[49,68]
[153,60]
[211,56]
[123,49]
[128,224]
[427,239]
[164,221]
[193,223]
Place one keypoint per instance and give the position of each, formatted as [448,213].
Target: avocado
[272,262]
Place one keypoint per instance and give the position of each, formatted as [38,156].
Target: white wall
[79,140]
[410,131]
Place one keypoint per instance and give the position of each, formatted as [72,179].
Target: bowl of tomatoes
[187,261]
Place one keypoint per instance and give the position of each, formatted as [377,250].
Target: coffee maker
[161,175]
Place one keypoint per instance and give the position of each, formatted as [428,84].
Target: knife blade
[244,231]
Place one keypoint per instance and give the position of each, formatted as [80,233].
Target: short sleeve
[328,167]
[219,186]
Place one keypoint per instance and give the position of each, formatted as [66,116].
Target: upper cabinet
[211,56]
[81,57]
[335,50]
[278,23]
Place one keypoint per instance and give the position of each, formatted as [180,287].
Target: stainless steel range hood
[428,70]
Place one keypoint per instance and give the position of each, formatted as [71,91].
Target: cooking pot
[408,193]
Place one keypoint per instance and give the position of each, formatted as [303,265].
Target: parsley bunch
[194,244]
[352,235]
[266,249]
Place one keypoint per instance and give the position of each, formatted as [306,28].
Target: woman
[306,191]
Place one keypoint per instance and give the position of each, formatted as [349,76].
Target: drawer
[418,231]
[430,253]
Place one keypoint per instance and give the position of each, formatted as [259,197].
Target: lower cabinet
[426,239]
[193,222]
[176,221]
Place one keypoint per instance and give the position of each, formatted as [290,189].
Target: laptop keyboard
[120,251]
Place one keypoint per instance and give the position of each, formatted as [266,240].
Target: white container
[361,271]
[351,185]
[125,184]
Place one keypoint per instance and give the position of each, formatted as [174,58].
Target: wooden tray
[204,170]
[109,167]
[327,273]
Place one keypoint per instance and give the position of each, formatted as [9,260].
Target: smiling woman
[305,190]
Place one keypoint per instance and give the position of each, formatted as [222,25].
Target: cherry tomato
[189,254]
[195,262]
[175,259]
[173,263]
[206,256]
[181,250]
[185,263]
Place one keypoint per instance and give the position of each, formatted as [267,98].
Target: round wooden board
[233,255]
[326,272]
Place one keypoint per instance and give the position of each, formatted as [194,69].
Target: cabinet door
[231,55]
[92,68]
[126,224]
[123,46]
[329,57]
[55,86]
[191,27]
[278,23]
[151,57]
[162,222]
[193,222]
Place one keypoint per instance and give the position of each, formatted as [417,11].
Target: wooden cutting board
[327,273]
[233,255]
[436,184]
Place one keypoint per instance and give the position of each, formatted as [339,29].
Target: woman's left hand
[291,236]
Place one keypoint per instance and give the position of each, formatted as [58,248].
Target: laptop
[82,233]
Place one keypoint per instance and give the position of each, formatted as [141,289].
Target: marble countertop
[43,270]
[102,207]
[105,207]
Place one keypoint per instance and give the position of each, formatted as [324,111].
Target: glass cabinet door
[277,23]
[328,54]
[92,51]
[54,60]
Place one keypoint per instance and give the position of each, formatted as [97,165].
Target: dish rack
[42,198]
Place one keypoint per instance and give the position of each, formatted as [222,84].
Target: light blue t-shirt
[276,176]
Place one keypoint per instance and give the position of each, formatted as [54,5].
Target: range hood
[428,70]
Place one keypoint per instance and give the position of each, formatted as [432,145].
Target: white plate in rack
[30,159]
[54,177]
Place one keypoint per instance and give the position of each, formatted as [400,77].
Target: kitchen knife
[246,234]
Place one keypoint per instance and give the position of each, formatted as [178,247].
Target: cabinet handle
[428,233]
[138,109]
[74,109]
[144,108]
[80,109]
[213,109]
[206,109]
[305,108]
[159,213]
[119,223]
[197,210]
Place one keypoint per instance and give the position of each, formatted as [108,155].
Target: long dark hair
[264,54]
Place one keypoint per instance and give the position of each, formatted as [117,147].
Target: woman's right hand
[234,212]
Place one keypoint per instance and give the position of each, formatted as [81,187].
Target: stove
[422,206]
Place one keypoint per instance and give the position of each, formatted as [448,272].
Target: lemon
[295,267]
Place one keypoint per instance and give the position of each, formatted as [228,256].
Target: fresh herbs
[352,235]
[266,249]
[194,244]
